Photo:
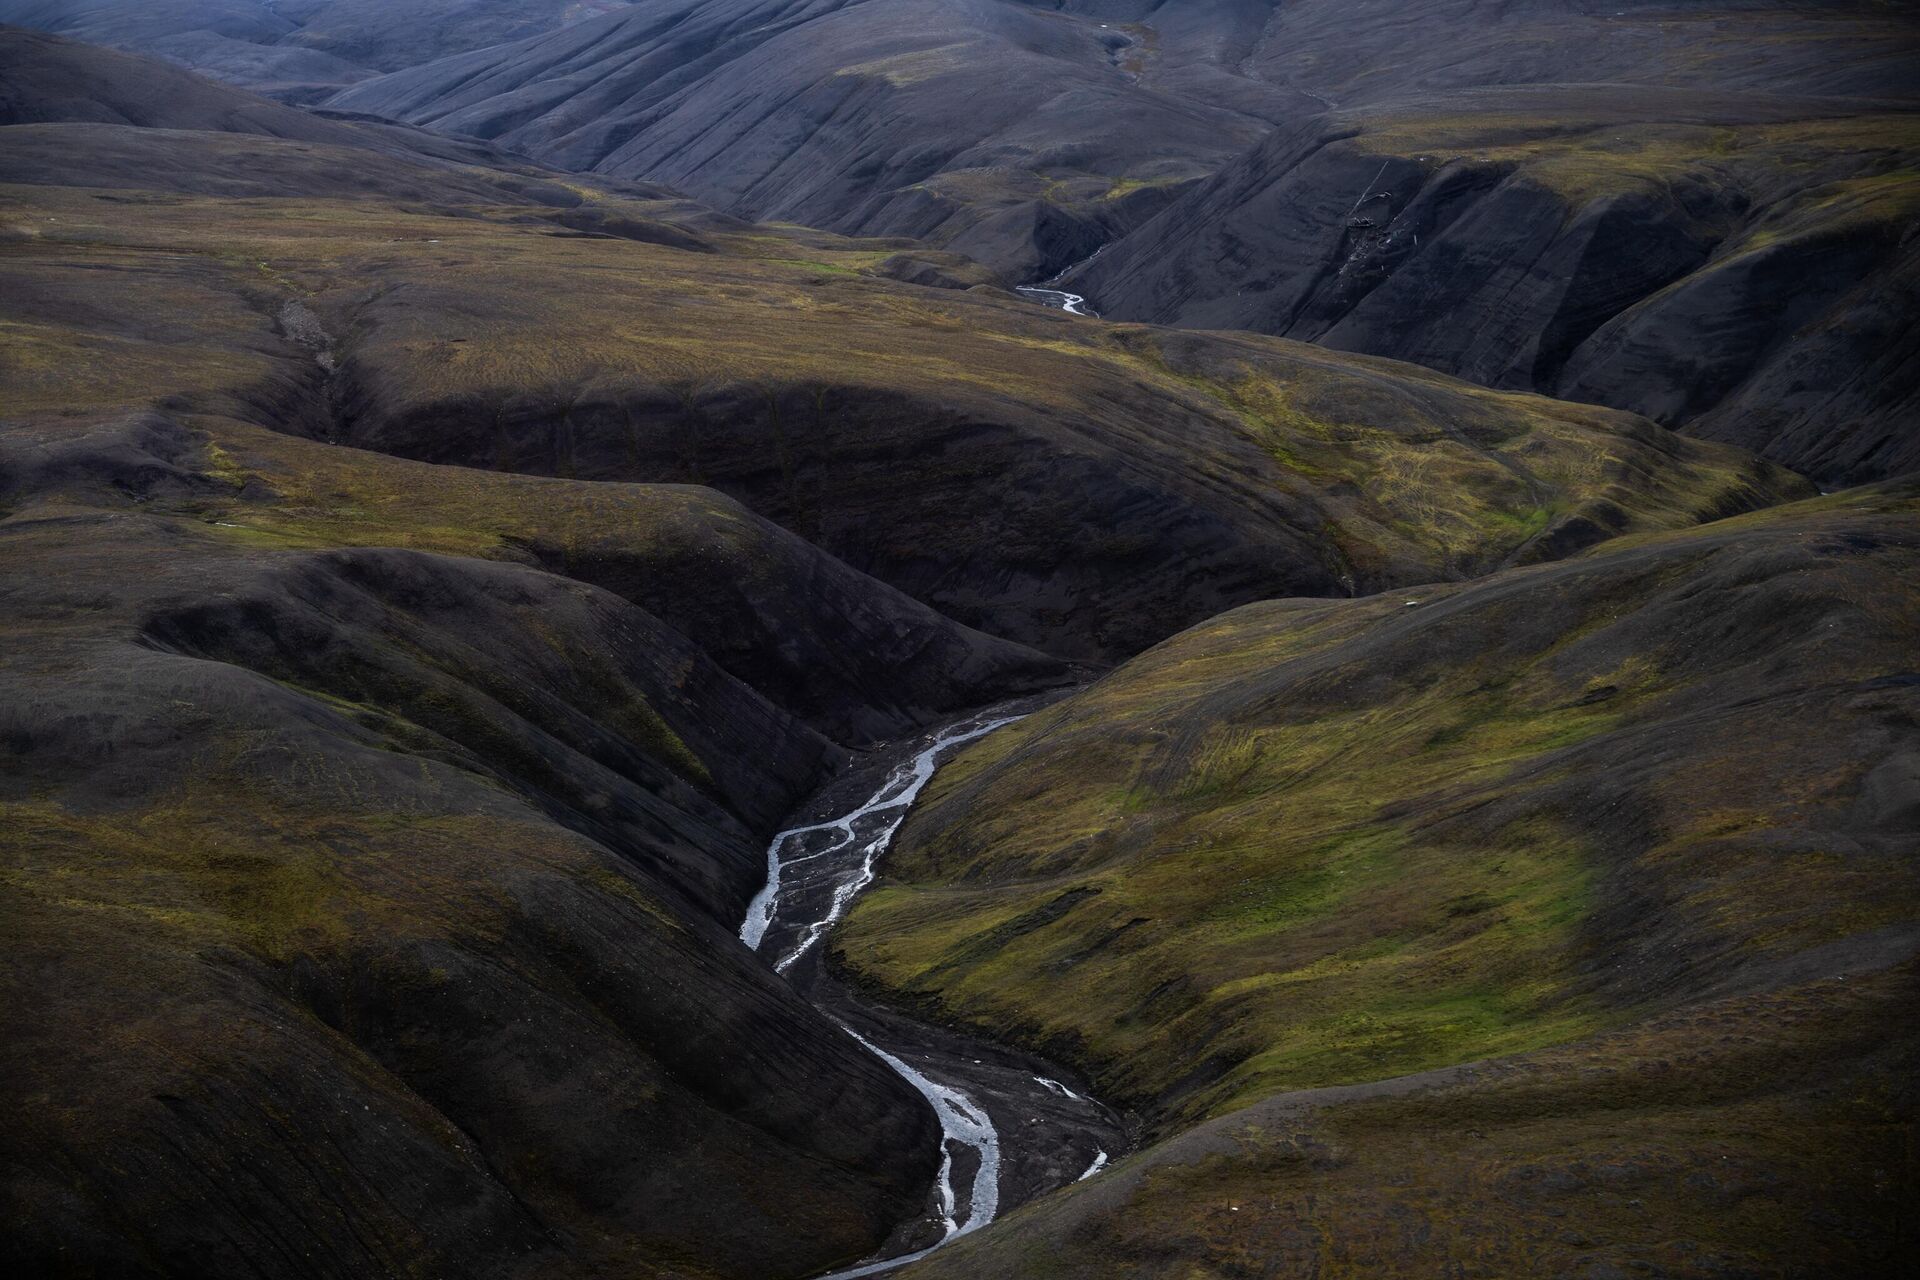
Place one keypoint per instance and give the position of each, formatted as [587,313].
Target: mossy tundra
[1472,833]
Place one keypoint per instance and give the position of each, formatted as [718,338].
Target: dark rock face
[1737,296]
[1088,538]
[1802,348]
[849,656]
[993,518]
[855,658]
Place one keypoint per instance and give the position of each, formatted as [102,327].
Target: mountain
[1081,490]
[297,49]
[1029,135]
[1695,212]
[1022,136]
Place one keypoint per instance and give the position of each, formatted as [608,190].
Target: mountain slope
[1656,804]
[50,80]
[374,909]
[1420,182]
[1071,486]
[297,48]
[1002,130]
[1695,212]
[1738,266]
[1029,135]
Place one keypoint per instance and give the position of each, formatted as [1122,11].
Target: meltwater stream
[848,849]
[813,876]
[1071,303]
[873,823]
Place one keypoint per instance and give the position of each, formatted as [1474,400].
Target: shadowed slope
[374,909]
[298,49]
[849,655]
[1735,265]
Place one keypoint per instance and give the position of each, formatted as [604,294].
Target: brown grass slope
[1082,488]
[1658,804]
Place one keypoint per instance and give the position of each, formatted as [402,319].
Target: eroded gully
[1011,1128]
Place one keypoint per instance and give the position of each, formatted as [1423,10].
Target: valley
[1012,1131]
[803,639]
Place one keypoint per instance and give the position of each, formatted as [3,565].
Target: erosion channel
[1012,1129]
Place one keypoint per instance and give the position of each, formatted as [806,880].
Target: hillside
[1029,135]
[1315,844]
[1738,266]
[551,728]
[297,49]
[1691,211]
[1083,489]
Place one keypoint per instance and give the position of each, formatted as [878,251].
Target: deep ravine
[1011,1129]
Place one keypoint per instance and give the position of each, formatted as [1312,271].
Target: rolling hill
[449,532]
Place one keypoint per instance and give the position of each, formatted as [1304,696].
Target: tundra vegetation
[1469,830]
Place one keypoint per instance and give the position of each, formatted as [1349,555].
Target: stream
[1071,303]
[1011,1129]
